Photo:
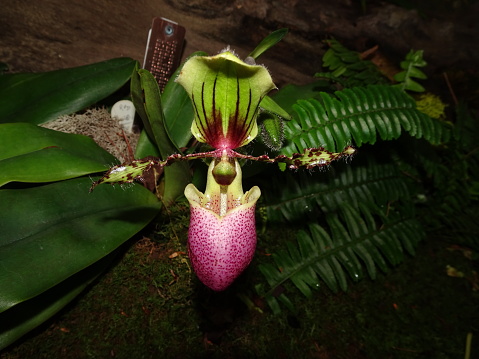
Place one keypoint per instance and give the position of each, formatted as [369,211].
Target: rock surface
[51,34]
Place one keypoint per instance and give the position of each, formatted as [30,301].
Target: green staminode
[226,93]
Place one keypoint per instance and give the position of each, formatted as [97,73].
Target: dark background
[52,34]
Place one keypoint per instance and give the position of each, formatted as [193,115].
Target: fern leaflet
[357,114]
[410,70]
[348,68]
[354,240]
[302,195]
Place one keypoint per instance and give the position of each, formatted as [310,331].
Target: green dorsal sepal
[226,93]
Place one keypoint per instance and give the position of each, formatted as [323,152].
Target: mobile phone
[164,49]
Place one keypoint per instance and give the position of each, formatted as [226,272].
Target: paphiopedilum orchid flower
[222,233]
[227,95]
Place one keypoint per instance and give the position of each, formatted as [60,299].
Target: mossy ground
[150,305]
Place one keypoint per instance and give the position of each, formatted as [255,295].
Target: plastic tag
[124,112]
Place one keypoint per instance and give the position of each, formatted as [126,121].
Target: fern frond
[356,238]
[300,196]
[410,71]
[348,68]
[357,114]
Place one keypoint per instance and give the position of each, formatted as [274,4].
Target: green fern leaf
[354,240]
[410,66]
[302,195]
[357,114]
[347,68]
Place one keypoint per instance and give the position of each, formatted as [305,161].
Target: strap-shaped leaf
[41,97]
[147,99]
[268,42]
[29,153]
[357,114]
[354,238]
[53,231]
[178,109]
[27,315]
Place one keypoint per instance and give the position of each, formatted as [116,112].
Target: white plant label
[124,112]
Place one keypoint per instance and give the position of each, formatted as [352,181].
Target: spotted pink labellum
[222,233]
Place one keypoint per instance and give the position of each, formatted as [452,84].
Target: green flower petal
[226,93]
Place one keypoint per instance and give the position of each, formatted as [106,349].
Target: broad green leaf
[146,147]
[53,231]
[29,153]
[269,105]
[178,109]
[25,316]
[147,100]
[177,176]
[178,114]
[268,42]
[40,97]
[138,99]
[287,96]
